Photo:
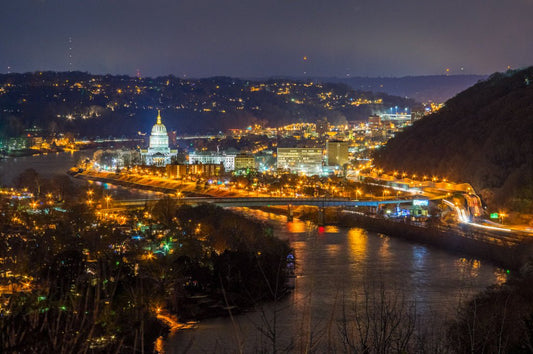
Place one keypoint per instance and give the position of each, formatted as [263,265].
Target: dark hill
[484,136]
[111,105]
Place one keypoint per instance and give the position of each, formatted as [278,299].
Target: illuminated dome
[158,152]
[159,128]
[159,136]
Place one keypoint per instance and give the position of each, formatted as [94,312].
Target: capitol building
[158,152]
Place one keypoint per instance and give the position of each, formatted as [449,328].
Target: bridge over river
[269,201]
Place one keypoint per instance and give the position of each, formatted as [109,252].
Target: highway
[434,190]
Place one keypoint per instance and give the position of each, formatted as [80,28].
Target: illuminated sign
[494,215]
[420,202]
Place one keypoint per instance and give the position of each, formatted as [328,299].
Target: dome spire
[158,116]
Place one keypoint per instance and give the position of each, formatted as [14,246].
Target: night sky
[250,38]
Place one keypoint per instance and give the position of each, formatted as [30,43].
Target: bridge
[268,201]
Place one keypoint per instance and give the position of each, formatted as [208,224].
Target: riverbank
[124,183]
[162,185]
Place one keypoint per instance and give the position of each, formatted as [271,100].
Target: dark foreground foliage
[76,280]
[499,320]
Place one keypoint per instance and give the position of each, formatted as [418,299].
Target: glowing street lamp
[357,194]
[107,199]
[502,215]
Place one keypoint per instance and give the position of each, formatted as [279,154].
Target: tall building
[337,152]
[158,152]
[300,160]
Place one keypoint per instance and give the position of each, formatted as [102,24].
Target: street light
[357,193]
[502,215]
[107,199]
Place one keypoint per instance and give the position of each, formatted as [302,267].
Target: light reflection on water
[335,268]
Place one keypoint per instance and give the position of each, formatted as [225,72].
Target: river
[334,265]
[47,165]
[58,163]
[337,268]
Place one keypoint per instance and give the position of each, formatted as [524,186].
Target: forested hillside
[484,136]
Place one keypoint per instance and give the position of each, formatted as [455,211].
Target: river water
[337,269]
[46,165]
[55,164]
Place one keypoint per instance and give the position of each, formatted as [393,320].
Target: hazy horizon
[206,38]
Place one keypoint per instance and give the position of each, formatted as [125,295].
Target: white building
[300,160]
[158,153]
[227,159]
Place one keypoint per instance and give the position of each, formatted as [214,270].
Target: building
[14,144]
[300,160]
[111,159]
[374,121]
[214,158]
[244,161]
[322,126]
[158,152]
[203,170]
[400,119]
[337,152]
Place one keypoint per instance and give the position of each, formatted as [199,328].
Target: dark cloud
[261,38]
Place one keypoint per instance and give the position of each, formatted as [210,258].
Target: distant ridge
[436,88]
[423,89]
[484,136]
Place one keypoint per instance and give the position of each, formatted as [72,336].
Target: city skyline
[256,39]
